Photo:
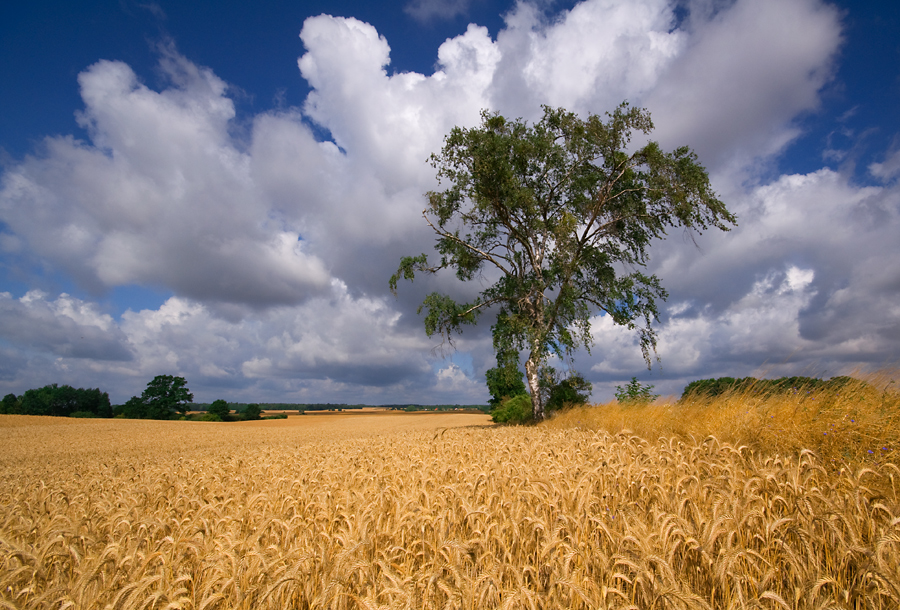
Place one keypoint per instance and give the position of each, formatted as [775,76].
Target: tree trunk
[531,374]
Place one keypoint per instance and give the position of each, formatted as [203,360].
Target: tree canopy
[220,409]
[558,217]
[60,401]
[165,397]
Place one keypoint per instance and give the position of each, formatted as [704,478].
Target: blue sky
[180,196]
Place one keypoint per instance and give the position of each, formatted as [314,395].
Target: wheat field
[431,511]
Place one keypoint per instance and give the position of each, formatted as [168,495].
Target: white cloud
[800,285]
[888,169]
[391,124]
[65,327]
[588,60]
[161,196]
[745,73]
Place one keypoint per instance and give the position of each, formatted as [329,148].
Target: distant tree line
[752,385]
[393,407]
[325,406]
[166,397]
[413,408]
[58,401]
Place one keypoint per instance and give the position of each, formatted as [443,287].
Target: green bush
[504,382]
[220,409]
[515,410]
[710,388]
[635,393]
[560,393]
[210,417]
[252,412]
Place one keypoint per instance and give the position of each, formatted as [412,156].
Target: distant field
[430,510]
[44,443]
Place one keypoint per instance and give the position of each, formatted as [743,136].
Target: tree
[252,411]
[504,381]
[61,401]
[219,408]
[635,393]
[10,404]
[561,214]
[559,392]
[165,396]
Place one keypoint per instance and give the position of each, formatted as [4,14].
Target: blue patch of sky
[461,359]
[254,47]
[136,298]
[45,44]
[9,283]
[114,301]
[858,121]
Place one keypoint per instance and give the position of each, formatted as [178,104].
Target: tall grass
[857,423]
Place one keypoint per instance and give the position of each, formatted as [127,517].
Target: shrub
[252,412]
[635,393]
[562,393]
[504,382]
[751,385]
[515,410]
[220,409]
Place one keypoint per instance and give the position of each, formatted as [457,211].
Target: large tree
[165,396]
[557,218]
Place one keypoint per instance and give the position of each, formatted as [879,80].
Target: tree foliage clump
[252,412]
[219,409]
[751,385]
[557,392]
[635,392]
[562,215]
[59,401]
[166,397]
[513,410]
[562,392]
[504,381]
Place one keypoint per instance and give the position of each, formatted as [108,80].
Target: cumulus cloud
[799,286]
[278,247]
[334,346]
[65,327]
[589,59]
[161,196]
[744,74]
[888,169]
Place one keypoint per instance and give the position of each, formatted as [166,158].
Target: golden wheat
[413,511]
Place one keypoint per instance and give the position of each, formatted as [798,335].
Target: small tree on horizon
[635,392]
[220,409]
[562,215]
[165,396]
[252,412]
